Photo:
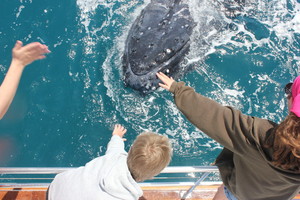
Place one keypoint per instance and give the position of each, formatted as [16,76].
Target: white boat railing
[37,177]
[42,176]
[56,170]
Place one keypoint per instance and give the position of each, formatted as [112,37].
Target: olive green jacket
[244,164]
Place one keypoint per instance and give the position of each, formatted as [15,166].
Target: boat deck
[150,193]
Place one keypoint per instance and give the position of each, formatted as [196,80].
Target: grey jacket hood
[117,180]
[104,178]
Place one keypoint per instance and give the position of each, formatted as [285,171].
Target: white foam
[20,10]
[144,113]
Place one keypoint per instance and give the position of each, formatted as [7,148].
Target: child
[260,159]
[115,175]
[22,56]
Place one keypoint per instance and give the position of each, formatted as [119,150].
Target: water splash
[254,36]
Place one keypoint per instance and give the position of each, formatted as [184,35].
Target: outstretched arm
[119,130]
[116,143]
[22,56]
[226,125]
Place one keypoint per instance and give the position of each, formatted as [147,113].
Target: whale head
[157,41]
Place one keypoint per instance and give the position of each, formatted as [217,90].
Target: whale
[160,38]
[157,41]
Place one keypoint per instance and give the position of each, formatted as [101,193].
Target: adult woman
[260,159]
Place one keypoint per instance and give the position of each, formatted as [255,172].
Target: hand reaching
[25,55]
[167,81]
[120,131]
[22,56]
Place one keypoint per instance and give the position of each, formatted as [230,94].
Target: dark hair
[288,89]
[286,143]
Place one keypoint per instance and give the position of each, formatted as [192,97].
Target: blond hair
[148,156]
[286,144]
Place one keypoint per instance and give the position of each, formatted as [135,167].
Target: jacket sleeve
[116,144]
[227,126]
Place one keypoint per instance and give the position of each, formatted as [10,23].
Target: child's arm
[119,130]
[22,56]
[116,143]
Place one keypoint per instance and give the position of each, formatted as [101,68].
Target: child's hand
[165,79]
[24,55]
[120,131]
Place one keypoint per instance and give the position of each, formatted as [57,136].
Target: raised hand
[119,130]
[167,81]
[24,55]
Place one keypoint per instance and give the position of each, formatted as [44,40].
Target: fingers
[163,86]
[41,57]
[166,80]
[37,47]
[162,75]
[29,53]
[44,49]
[34,50]
[18,45]
[119,130]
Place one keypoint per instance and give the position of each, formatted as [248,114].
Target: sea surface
[67,104]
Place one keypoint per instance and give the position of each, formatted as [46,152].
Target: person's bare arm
[22,56]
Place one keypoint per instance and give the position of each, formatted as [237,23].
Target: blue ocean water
[66,105]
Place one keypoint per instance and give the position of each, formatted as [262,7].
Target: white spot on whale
[168,51]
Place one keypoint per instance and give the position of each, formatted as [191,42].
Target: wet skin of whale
[157,42]
[160,37]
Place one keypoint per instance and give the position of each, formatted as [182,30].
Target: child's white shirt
[106,177]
